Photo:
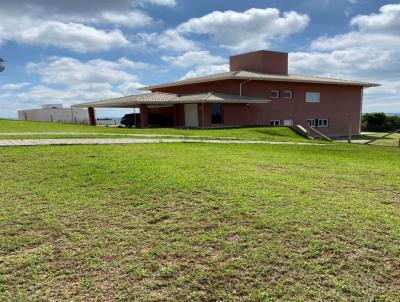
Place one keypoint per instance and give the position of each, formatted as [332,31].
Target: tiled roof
[246,75]
[160,98]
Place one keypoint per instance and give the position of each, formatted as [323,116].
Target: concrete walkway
[150,135]
[95,133]
[353,141]
[112,134]
[111,141]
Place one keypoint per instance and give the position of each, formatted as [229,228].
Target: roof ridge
[242,74]
[326,78]
[208,96]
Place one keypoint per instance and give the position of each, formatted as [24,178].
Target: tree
[379,121]
[375,121]
[1,65]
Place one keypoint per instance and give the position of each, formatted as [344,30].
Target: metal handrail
[321,134]
[386,135]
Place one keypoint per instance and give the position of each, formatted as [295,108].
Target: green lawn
[387,140]
[375,138]
[261,133]
[190,222]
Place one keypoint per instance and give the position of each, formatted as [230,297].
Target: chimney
[262,61]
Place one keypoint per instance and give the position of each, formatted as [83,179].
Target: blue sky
[69,51]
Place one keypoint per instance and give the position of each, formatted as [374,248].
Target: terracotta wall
[262,61]
[165,111]
[340,104]
[179,115]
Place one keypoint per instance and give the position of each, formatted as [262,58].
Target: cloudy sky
[68,51]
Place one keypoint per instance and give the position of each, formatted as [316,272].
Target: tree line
[379,121]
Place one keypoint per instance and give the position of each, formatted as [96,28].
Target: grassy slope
[390,140]
[179,222]
[273,134]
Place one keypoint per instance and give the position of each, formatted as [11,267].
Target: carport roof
[160,98]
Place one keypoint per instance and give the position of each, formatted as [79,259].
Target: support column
[144,116]
[92,116]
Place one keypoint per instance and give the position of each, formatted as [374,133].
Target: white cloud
[39,95]
[124,62]
[73,36]
[78,10]
[169,39]
[68,81]
[378,31]
[2,35]
[130,88]
[70,71]
[205,70]
[193,58]
[72,24]
[252,29]
[387,21]
[79,6]
[42,94]
[134,18]
[160,2]
[357,39]
[14,86]
[370,52]
[364,63]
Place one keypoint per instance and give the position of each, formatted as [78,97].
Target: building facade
[332,106]
[55,113]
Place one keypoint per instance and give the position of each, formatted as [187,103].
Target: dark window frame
[287,91]
[318,122]
[273,123]
[275,97]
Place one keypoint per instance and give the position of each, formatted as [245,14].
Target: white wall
[62,115]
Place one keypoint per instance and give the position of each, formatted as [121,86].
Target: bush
[380,122]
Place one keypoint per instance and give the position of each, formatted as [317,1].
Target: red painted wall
[179,115]
[262,61]
[165,111]
[340,104]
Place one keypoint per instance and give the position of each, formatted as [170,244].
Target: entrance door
[191,116]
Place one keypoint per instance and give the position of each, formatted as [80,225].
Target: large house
[257,91]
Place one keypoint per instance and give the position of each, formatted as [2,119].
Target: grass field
[375,138]
[189,222]
[387,140]
[260,133]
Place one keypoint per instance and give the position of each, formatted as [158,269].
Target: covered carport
[188,110]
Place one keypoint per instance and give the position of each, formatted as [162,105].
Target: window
[287,122]
[275,122]
[287,94]
[321,122]
[216,113]
[312,97]
[274,94]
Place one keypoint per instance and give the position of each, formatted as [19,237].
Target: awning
[161,98]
